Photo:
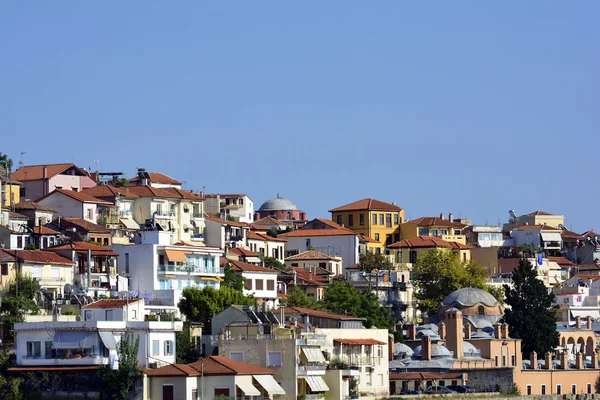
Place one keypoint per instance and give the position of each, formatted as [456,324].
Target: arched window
[480,310]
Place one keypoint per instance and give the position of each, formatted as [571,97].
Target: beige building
[534,218]
[310,260]
[409,250]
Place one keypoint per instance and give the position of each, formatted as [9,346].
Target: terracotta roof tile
[567,234]
[39,256]
[332,229]
[149,191]
[36,172]
[83,247]
[421,241]
[264,237]
[560,260]
[111,303]
[358,341]
[80,223]
[243,252]
[219,365]
[367,204]
[424,376]
[103,191]
[79,196]
[44,230]
[16,215]
[531,214]
[185,194]
[434,221]
[268,221]
[32,205]
[310,255]
[535,227]
[318,314]
[158,177]
[172,370]
[588,267]
[353,266]
[590,233]
[240,266]
[214,218]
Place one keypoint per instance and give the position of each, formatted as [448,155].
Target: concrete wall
[345,246]
[487,257]
[182,387]
[262,277]
[214,234]
[68,207]
[494,379]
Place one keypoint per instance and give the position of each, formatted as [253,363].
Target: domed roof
[436,351]
[468,348]
[402,349]
[468,297]
[277,204]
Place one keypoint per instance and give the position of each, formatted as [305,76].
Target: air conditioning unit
[153,365]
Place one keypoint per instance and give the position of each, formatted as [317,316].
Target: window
[496,359]
[134,314]
[378,251]
[339,220]
[368,380]
[457,232]
[19,242]
[259,284]
[362,219]
[48,349]
[274,359]
[380,380]
[108,315]
[55,273]
[4,269]
[374,219]
[388,220]
[237,356]
[34,349]
[127,262]
[504,361]
[573,389]
[87,316]
[350,220]
[270,284]
[377,237]
[413,256]
[513,360]
[168,347]
[543,389]
[433,232]
[443,232]
[396,237]
[480,310]
[589,388]
[558,389]
[529,390]
[156,348]
[381,217]
[89,214]
[307,243]
[396,219]
[248,284]
[423,231]
[194,394]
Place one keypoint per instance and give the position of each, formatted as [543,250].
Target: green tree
[440,272]
[371,261]
[120,182]
[296,297]
[185,351]
[9,386]
[119,382]
[202,305]
[272,262]
[30,246]
[531,315]
[344,298]
[6,162]
[529,250]
[232,280]
[18,301]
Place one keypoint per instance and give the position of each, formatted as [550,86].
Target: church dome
[468,297]
[278,204]
[436,351]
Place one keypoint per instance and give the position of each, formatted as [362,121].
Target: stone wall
[491,380]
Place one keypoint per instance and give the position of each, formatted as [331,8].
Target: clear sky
[470,107]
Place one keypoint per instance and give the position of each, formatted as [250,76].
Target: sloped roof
[243,252]
[43,230]
[434,221]
[149,191]
[219,365]
[82,224]
[240,266]
[535,227]
[567,234]
[264,237]
[214,218]
[268,221]
[36,172]
[83,247]
[332,229]
[468,297]
[310,255]
[531,214]
[16,215]
[39,256]
[172,370]
[79,196]
[320,314]
[560,260]
[421,241]
[111,303]
[590,233]
[367,204]
[184,194]
[158,177]
[108,191]
[32,205]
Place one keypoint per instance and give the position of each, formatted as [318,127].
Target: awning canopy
[210,278]
[358,341]
[269,384]
[74,340]
[248,388]
[316,383]
[313,355]
[595,314]
[176,256]
[551,236]
[108,339]
[129,223]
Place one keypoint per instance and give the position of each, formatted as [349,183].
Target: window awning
[74,340]
[108,339]
[269,384]
[129,223]
[316,383]
[313,355]
[248,388]
[551,236]
[210,278]
[176,256]
[595,314]
[358,341]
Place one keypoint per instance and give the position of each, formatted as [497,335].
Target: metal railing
[191,269]
[358,361]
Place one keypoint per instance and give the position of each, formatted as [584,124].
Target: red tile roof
[79,196]
[589,277]
[185,194]
[264,237]
[318,314]
[537,213]
[83,247]
[149,191]
[332,229]
[39,256]
[32,205]
[353,266]
[560,260]
[224,196]
[421,241]
[240,266]
[367,204]
[535,227]
[107,191]
[84,225]
[358,341]
[16,215]
[219,365]
[435,221]
[310,255]
[366,239]
[243,252]
[158,177]
[567,234]
[172,370]
[459,246]
[424,376]
[268,221]
[111,303]
[214,218]
[306,278]
[44,230]
[590,233]
[36,172]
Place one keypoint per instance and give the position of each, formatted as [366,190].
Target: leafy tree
[296,297]
[344,298]
[273,232]
[19,301]
[185,351]
[497,292]
[272,262]
[122,182]
[531,315]
[370,261]
[232,280]
[529,250]
[440,272]
[30,246]
[119,382]
[6,162]
[201,305]
[9,386]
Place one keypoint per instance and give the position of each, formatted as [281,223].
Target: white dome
[278,204]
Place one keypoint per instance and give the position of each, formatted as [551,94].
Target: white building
[312,259]
[72,204]
[239,207]
[223,234]
[159,270]
[266,245]
[545,237]
[259,281]
[93,341]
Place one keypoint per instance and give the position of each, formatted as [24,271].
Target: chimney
[498,331]
[390,347]
[454,332]
[450,217]
[548,360]
[45,183]
[411,331]
[505,331]
[578,322]
[426,348]
[442,330]
[595,359]
[533,360]
[579,361]
[589,322]
[441,215]
[468,331]
[564,359]
[306,322]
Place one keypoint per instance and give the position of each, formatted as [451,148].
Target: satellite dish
[68,289]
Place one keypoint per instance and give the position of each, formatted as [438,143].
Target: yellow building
[10,189]
[445,229]
[409,250]
[534,218]
[373,219]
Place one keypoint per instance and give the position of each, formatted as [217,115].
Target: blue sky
[467,107]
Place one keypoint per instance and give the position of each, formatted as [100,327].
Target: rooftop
[427,241]
[367,204]
[79,196]
[219,365]
[83,247]
[278,204]
[36,172]
[310,255]
[82,225]
[434,221]
[469,296]
[264,237]
[320,314]
[32,205]
[158,177]
[326,228]
[240,266]
[111,303]
[37,256]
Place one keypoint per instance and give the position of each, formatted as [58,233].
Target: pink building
[281,209]
[39,180]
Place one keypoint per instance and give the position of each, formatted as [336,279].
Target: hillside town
[141,284]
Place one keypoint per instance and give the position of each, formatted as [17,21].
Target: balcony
[312,340]
[552,245]
[39,361]
[400,286]
[165,214]
[233,238]
[313,369]
[197,215]
[125,214]
[112,219]
[357,361]
[190,269]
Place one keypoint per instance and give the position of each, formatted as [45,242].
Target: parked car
[439,390]
[408,391]
[461,388]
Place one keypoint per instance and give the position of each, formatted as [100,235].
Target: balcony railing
[312,340]
[308,369]
[358,361]
[125,213]
[197,214]
[190,269]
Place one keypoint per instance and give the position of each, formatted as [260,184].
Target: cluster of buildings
[89,237]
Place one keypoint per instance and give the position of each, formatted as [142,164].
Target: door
[168,393]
